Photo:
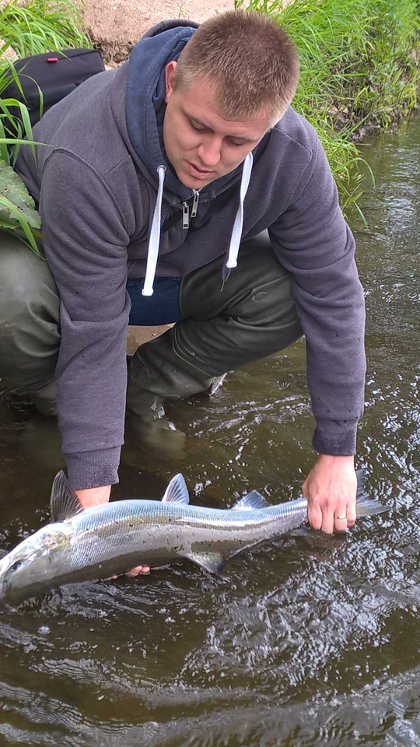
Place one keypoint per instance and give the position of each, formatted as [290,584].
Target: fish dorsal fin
[210,561]
[254,499]
[64,502]
[177,491]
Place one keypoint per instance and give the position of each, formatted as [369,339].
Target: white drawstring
[154,240]
[236,236]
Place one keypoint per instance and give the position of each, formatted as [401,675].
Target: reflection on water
[307,640]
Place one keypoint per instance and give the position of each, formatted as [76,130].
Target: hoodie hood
[145,100]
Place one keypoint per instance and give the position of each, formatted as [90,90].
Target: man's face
[201,144]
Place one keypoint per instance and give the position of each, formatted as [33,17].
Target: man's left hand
[330,490]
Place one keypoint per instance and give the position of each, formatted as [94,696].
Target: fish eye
[15,566]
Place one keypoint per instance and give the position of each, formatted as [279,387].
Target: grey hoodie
[96,183]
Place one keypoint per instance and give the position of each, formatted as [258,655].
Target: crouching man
[182,187]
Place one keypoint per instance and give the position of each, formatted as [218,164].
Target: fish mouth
[4,565]
[8,567]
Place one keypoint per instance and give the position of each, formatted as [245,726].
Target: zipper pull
[185,215]
[194,207]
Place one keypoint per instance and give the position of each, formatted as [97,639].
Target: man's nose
[210,151]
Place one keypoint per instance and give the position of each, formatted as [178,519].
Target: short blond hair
[252,61]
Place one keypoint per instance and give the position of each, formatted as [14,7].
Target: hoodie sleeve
[85,244]
[316,246]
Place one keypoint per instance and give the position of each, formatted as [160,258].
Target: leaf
[17,207]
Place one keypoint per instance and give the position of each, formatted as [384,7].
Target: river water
[306,640]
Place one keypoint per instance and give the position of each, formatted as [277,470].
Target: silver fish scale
[142,512]
[148,530]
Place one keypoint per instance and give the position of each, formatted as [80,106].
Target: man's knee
[29,316]
[258,291]
[26,284]
[249,316]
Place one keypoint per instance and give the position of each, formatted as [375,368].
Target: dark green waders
[223,326]
[29,328]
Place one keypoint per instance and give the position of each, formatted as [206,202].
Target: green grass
[40,26]
[36,27]
[357,69]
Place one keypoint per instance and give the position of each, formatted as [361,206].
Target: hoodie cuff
[93,469]
[335,437]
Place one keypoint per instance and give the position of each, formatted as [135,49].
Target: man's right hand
[95,497]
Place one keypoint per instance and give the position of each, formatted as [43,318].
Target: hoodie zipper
[186,210]
[185,215]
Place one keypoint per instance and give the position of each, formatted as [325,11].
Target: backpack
[55,74]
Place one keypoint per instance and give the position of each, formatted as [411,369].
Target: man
[155,189]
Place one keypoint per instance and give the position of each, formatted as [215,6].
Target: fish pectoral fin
[177,491]
[254,499]
[211,561]
[64,502]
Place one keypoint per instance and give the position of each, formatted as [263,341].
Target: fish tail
[366,506]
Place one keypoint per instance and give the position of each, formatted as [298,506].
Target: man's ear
[169,79]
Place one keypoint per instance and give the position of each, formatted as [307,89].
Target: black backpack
[56,74]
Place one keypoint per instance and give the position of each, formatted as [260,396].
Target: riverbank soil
[116,25]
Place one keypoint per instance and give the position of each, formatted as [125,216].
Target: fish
[86,544]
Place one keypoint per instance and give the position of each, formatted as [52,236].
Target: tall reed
[41,25]
[358,68]
[38,26]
